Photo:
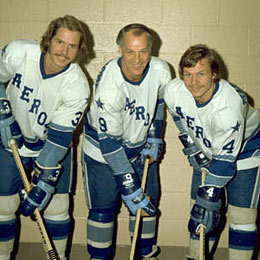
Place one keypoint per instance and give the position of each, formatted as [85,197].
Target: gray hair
[138,29]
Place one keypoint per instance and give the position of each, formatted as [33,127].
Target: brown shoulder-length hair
[196,53]
[69,22]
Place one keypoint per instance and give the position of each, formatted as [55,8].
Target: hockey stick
[202,228]
[138,215]
[45,238]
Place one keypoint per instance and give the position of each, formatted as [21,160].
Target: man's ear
[120,50]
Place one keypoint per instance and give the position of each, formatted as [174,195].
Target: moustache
[62,56]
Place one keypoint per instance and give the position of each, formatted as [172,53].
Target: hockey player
[46,96]
[123,125]
[220,132]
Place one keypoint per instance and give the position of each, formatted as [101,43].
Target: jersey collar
[46,76]
[214,92]
[119,61]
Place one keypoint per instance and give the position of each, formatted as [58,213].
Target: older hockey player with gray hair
[220,132]
[46,96]
[123,125]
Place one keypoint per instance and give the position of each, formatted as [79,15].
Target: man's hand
[153,148]
[205,211]
[138,200]
[133,195]
[195,156]
[9,128]
[44,180]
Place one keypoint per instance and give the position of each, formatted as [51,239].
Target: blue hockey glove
[153,148]
[138,200]
[205,211]
[9,128]
[133,195]
[195,156]
[45,180]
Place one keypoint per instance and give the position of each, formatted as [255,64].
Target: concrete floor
[34,251]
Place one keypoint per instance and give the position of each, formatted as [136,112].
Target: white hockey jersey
[37,99]
[226,128]
[122,111]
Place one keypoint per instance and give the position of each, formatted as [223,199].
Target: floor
[34,251]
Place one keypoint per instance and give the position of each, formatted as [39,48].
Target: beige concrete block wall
[229,26]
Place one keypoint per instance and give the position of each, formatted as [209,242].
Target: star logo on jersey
[100,104]
[236,127]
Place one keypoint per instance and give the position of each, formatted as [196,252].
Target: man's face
[63,49]
[199,80]
[135,55]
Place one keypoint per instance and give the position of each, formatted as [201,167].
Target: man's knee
[8,206]
[58,208]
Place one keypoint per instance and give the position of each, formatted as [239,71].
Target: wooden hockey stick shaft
[138,214]
[45,238]
[202,229]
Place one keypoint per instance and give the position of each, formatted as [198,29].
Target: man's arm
[59,137]
[154,143]
[9,128]
[109,124]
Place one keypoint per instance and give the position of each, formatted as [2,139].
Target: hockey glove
[45,180]
[133,195]
[153,148]
[205,211]
[195,156]
[9,128]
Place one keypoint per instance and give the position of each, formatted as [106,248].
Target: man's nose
[137,57]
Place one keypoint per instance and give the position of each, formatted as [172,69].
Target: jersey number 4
[229,147]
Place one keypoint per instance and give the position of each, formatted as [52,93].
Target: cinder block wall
[230,26]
